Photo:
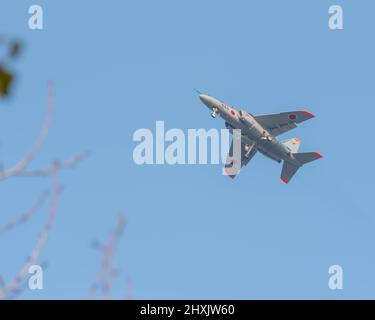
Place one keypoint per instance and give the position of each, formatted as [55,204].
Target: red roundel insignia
[232,112]
[292,116]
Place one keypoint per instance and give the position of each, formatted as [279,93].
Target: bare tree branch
[22,164]
[19,283]
[66,164]
[107,271]
[23,218]
[14,284]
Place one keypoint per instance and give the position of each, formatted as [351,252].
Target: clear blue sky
[121,65]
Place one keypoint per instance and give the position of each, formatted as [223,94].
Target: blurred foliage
[6,74]
[5,81]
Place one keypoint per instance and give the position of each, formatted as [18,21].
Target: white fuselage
[252,132]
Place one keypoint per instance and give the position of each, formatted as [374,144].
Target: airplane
[258,133]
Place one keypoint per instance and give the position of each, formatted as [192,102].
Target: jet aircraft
[258,133]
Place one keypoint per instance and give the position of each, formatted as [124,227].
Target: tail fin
[292,144]
[305,157]
[290,169]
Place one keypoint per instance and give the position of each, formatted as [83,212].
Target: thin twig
[23,218]
[22,164]
[107,272]
[66,164]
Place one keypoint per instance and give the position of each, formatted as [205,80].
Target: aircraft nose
[209,101]
[205,99]
[202,97]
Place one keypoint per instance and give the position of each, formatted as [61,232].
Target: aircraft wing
[246,156]
[279,123]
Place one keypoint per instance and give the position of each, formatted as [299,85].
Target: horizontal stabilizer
[305,157]
[290,169]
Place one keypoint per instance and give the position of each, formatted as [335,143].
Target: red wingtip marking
[307,113]
[319,155]
[284,180]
